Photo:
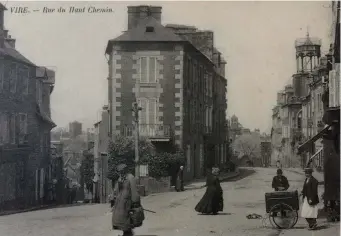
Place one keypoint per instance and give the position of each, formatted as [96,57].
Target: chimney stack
[2,25]
[10,41]
[2,16]
[138,13]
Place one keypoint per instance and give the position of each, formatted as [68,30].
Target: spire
[308,31]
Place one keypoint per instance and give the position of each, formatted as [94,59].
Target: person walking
[212,202]
[310,199]
[179,186]
[125,201]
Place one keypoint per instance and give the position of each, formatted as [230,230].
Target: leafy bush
[122,150]
[161,164]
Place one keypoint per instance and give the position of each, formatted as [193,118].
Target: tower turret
[308,53]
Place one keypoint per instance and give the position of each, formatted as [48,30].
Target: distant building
[266,153]
[90,135]
[235,128]
[298,108]
[75,129]
[25,125]
[177,77]
[102,186]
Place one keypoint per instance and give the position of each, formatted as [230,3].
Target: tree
[248,145]
[87,170]
[122,150]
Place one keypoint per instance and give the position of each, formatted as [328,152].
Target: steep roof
[7,50]
[139,34]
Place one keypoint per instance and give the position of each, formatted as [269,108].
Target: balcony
[150,131]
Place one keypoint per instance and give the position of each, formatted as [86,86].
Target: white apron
[308,211]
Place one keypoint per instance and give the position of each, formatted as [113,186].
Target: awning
[309,142]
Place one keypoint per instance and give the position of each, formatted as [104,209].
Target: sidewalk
[198,184]
[318,175]
[41,207]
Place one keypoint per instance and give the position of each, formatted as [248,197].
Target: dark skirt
[211,202]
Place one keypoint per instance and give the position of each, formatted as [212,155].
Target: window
[148,69]
[13,77]
[4,134]
[25,79]
[149,29]
[12,129]
[39,92]
[148,115]
[2,76]
[188,157]
[22,128]
[42,142]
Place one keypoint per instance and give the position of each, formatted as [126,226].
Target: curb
[44,207]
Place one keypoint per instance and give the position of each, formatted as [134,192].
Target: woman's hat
[121,167]
[308,170]
[279,171]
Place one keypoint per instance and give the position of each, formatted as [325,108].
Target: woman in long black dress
[212,202]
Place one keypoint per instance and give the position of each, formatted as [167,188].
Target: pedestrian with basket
[127,212]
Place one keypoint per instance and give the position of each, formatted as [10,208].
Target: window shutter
[2,76]
[143,112]
[152,70]
[17,131]
[152,112]
[25,77]
[143,70]
[2,130]
[331,88]
[12,128]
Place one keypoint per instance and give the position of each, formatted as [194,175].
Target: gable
[149,30]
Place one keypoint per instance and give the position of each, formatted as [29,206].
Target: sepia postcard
[163,118]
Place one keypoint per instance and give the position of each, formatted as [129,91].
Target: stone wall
[155,186]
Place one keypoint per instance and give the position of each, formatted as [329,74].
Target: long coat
[310,191]
[180,181]
[212,201]
[124,198]
[280,181]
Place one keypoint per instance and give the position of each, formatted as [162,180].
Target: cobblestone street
[175,214]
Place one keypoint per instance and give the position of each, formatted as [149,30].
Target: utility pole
[136,110]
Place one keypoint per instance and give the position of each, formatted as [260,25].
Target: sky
[256,39]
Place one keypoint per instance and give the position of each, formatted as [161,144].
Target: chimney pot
[138,13]
[11,42]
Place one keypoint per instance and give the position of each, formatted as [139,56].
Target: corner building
[178,78]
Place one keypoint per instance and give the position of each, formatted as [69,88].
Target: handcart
[282,207]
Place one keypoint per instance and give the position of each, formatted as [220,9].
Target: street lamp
[136,110]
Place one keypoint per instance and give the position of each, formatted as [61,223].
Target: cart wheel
[283,216]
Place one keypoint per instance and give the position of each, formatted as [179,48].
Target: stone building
[295,110]
[235,128]
[326,84]
[178,78]
[102,186]
[75,129]
[25,125]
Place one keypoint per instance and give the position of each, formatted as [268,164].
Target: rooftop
[7,50]
[150,30]
[308,41]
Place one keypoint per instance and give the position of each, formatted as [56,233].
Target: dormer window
[150,29]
